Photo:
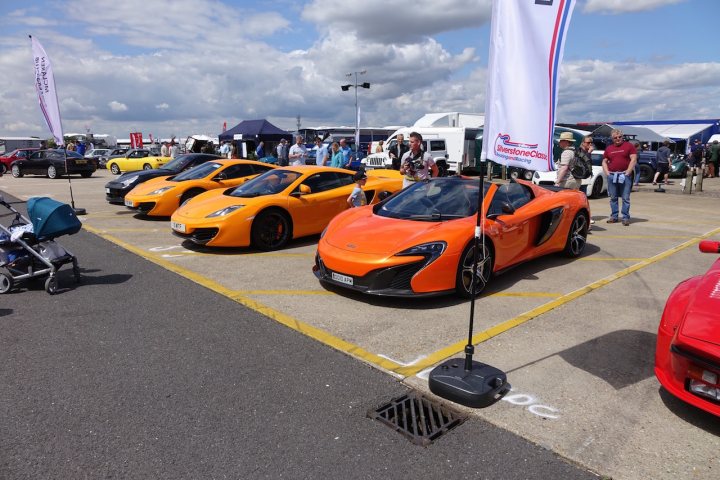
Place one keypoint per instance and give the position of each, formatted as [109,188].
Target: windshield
[176,163]
[269,183]
[196,173]
[437,200]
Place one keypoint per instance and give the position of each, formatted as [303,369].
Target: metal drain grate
[417,417]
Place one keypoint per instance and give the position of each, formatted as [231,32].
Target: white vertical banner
[47,94]
[526,47]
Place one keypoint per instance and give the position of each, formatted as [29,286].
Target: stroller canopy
[51,218]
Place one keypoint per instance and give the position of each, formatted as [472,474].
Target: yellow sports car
[160,197]
[138,159]
[275,207]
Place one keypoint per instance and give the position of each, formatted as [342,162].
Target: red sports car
[687,356]
[17,154]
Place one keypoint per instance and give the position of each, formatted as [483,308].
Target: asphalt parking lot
[575,337]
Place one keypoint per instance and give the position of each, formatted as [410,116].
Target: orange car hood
[152,185]
[359,227]
[214,200]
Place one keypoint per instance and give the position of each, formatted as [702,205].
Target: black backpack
[581,167]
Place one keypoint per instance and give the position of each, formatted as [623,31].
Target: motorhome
[448,137]
[8,144]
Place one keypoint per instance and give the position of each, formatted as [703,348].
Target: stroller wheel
[51,285]
[6,283]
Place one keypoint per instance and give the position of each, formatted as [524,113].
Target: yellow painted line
[671,237]
[610,259]
[308,330]
[524,294]
[141,230]
[502,327]
[283,292]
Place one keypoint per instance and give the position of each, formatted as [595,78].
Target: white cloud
[117,106]
[162,106]
[625,6]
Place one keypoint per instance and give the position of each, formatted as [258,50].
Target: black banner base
[479,387]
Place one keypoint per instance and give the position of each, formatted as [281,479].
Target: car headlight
[161,190]
[431,250]
[224,211]
[130,180]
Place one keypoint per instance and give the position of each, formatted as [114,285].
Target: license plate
[107,190]
[80,162]
[342,278]
[129,203]
[180,227]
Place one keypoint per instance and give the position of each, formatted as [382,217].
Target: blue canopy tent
[257,130]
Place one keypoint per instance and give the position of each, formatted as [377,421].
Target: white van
[452,148]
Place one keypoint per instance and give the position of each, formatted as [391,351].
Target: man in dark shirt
[618,163]
[397,151]
[663,162]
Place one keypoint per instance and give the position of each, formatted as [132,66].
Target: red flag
[136,140]
[224,126]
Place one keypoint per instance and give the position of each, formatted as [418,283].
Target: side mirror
[302,190]
[383,195]
[506,209]
[220,177]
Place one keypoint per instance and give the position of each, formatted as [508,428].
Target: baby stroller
[27,247]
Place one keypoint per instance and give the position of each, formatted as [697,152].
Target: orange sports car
[275,207]
[161,196]
[420,242]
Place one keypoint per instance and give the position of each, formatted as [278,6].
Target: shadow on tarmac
[692,415]
[5,311]
[298,243]
[620,358]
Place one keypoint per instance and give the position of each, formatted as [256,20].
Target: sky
[182,67]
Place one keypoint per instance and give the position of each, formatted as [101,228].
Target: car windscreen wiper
[436,217]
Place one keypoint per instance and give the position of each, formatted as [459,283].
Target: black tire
[646,173]
[114,169]
[147,166]
[86,174]
[596,190]
[528,174]
[577,236]
[271,230]
[463,277]
[51,285]
[52,172]
[16,172]
[3,169]
[6,283]
[442,170]
[188,195]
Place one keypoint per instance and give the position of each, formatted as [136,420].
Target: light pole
[345,88]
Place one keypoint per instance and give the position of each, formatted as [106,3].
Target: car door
[312,212]
[514,230]
[37,163]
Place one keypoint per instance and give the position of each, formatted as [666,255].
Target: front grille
[421,420]
[145,207]
[204,235]
[403,275]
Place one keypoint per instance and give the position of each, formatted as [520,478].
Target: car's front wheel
[114,169]
[52,172]
[596,188]
[577,236]
[147,166]
[485,261]
[16,172]
[271,230]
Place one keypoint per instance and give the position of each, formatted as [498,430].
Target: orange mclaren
[161,196]
[275,207]
[421,240]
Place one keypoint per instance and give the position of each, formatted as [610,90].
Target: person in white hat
[564,178]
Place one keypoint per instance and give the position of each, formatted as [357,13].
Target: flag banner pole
[526,44]
[49,105]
